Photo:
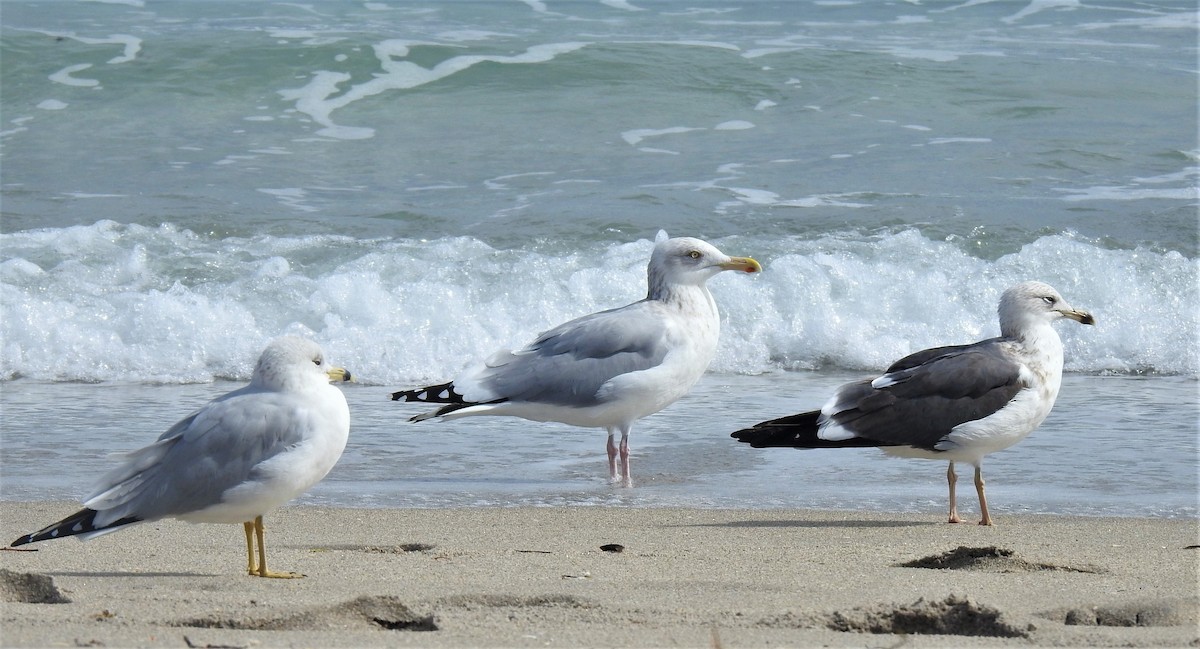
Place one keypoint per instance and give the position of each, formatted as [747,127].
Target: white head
[685,261]
[294,363]
[1030,304]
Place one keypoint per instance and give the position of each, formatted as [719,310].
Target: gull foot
[271,574]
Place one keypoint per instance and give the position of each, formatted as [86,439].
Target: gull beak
[744,264]
[339,375]
[1082,317]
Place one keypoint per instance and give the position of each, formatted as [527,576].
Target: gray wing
[924,396]
[924,356]
[198,459]
[568,364]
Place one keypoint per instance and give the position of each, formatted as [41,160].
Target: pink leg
[987,518]
[951,479]
[624,450]
[612,455]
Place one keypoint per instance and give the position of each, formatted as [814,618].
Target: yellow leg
[951,479]
[987,518]
[262,571]
[250,566]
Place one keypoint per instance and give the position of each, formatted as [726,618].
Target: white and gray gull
[237,458]
[956,403]
[607,369]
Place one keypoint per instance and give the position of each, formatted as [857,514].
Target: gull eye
[1049,300]
[317,361]
[695,254]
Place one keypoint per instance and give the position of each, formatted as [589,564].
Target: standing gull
[956,403]
[607,369]
[237,458]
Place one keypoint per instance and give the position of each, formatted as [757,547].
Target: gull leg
[250,567]
[262,556]
[951,479]
[624,450]
[987,518]
[612,455]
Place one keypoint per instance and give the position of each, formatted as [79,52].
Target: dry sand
[534,577]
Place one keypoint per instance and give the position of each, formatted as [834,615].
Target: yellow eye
[695,254]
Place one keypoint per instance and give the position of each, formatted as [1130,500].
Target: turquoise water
[1114,446]
[416,185]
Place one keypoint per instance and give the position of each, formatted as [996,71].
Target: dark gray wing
[925,355]
[568,364]
[924,396]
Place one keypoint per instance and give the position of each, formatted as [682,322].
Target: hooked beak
[1082,317]
[744,264]
[339,375]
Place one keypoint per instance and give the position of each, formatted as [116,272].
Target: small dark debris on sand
[403,548]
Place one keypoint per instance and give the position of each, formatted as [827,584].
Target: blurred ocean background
[416,184]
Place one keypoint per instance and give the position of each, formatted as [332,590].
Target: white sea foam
[734,125]
[621,4]
[1181,20]
[114,302]
[1037,6]
[131,45]
[64,77]
[958,140]
[322,96]
[634,136]
[1124,193]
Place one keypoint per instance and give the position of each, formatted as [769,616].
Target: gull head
[690,262]
[294,363]
[1028,304]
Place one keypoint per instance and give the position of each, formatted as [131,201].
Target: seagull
[607,369]
[240,456]
[955,403]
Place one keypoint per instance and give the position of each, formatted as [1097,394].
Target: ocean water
[417,184]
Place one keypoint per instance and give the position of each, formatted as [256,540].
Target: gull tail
[795,431]
[82,524]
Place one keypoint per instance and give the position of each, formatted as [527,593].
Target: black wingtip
[762,437]
[443,393]
[81,522]
[409,395]
[796,431]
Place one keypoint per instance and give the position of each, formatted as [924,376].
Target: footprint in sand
[953,615]
[988,559]
[29,588]
[383,611]
[1142,612]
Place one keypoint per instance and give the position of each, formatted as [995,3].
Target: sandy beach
[607,577]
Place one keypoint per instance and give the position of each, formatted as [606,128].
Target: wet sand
[607,577]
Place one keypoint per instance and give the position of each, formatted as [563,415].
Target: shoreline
[538,576]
